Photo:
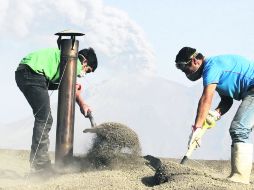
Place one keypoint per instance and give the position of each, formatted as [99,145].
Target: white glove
[212,117]
[194,136]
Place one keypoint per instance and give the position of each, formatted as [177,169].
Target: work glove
[194,136]
[211,119]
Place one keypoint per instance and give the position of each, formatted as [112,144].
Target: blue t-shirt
[233,75]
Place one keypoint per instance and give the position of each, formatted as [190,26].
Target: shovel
[193,146]
[93,124]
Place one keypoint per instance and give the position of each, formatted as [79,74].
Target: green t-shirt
[46,62]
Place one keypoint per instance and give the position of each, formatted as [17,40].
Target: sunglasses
[183,64]
[89,69]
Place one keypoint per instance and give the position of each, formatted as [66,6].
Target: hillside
[160,111]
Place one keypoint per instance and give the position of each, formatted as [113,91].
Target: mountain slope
[160,111]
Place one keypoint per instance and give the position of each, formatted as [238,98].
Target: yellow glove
[211,119]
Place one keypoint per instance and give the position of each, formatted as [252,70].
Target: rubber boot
[241,162]
[232,162]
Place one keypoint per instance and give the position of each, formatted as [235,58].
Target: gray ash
[114,145]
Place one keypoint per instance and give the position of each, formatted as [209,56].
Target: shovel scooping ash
[113,144]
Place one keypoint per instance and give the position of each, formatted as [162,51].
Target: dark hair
[184,54]
[90,55]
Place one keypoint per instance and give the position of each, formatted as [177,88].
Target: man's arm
[204,104]
[84,108]
[224,105]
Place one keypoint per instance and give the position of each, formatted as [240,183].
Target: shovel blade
[184,160]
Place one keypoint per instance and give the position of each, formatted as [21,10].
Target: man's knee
[44,119]
[239,133]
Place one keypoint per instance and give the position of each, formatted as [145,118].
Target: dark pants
[35,89]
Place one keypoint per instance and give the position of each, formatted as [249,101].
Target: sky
[141,36]
[213,27]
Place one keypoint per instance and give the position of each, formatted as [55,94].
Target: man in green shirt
[37,73]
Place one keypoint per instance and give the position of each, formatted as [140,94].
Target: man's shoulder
[226,57]
[43,51]
[47,50]
[42,55]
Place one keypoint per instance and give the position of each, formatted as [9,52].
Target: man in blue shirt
[232,76]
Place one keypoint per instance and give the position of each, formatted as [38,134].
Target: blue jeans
[35,89]
[243,121]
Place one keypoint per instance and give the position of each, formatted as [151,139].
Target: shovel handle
[90,116]
[193,146]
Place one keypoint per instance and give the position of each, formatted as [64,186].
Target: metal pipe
[66,101]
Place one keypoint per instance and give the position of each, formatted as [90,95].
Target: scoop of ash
[173,172]
[114,145]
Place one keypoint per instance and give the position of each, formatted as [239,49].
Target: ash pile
[115,145]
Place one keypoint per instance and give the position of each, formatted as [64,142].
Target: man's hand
[194,137]
[84,109]
[211,118]
[79,89]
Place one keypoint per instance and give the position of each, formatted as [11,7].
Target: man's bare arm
[204,104]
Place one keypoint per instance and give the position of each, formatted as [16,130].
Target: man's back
[233,74]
